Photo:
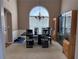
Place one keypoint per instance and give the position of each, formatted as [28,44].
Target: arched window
[35,11]
[38,18]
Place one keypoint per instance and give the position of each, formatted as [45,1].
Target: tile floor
[19,51]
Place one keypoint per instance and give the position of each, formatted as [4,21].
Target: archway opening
[7,27]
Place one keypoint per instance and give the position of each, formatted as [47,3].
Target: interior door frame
[9,25]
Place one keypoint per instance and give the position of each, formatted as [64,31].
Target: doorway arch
[7,27]
[35,22]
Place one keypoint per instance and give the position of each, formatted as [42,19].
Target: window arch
[35,11]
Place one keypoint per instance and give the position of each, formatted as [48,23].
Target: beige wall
[24,7]
[69,5]
[11,5]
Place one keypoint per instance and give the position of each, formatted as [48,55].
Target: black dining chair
[29,38]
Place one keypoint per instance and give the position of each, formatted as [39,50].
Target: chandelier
[39,16]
